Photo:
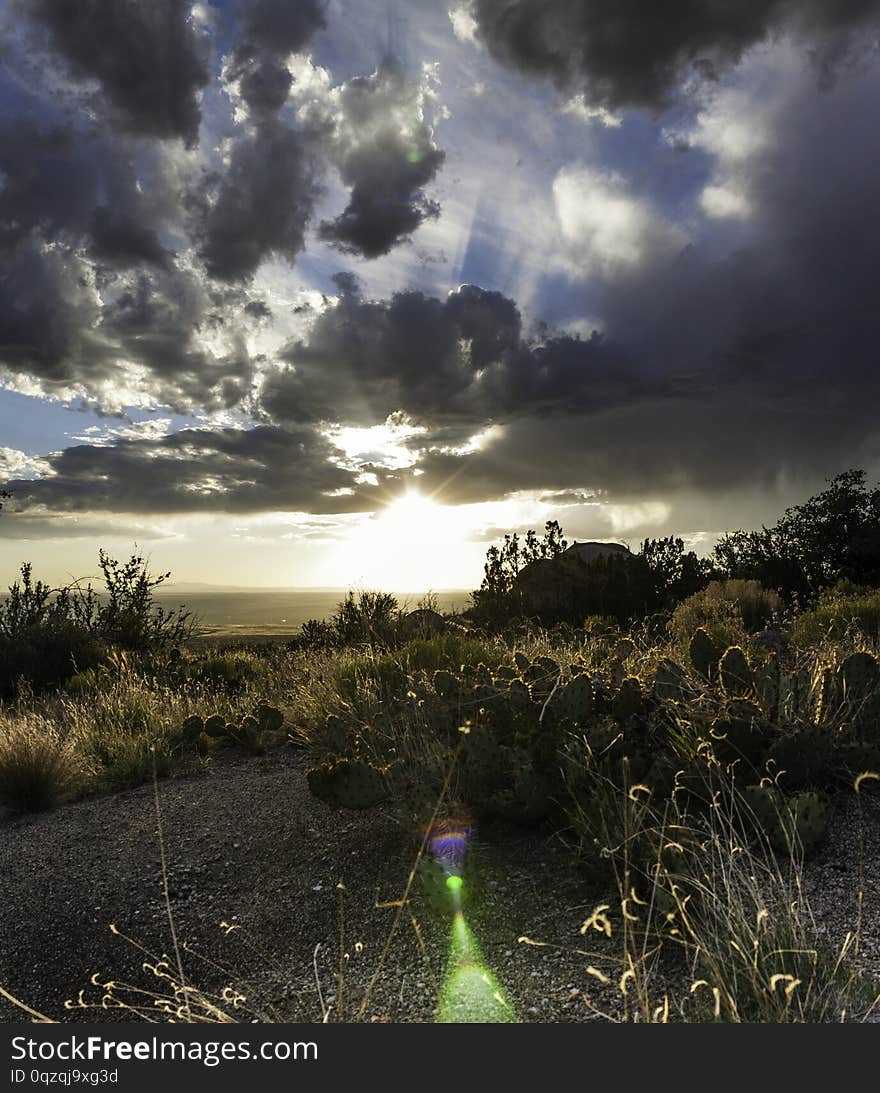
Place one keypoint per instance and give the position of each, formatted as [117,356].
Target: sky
[338,292]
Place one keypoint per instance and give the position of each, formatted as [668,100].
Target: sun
[413,519]
[408,544]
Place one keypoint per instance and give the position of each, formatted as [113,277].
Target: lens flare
[471,993]
[448,843]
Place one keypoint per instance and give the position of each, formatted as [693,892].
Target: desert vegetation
[690,728]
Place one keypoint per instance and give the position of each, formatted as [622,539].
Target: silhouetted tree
[833,536]
[494,599]
[678,573]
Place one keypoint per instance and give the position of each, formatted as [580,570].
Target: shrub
[448,651]
[232,672]
[365,619]
[38,768]
[843,609]
[129,618]
[727,610]
[45,635]
[49,634]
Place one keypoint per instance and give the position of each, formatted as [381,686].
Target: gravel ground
[247,845]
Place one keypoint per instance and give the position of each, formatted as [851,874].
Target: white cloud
[464,25]
[609,230]
[725,203]
[17,464]
[579,108]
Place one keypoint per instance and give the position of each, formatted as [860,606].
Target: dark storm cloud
[623,53]
[194,470]
[461,359]
[385,153]
[737,440]
[723,372]
[48,316]
[145,54]
[268,32]
[54,328]
[278,26]
[71,183]
[117,238]
[265,84]
[262,204]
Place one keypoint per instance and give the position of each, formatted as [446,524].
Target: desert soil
[247,845]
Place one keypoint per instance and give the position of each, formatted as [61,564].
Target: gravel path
[247,845]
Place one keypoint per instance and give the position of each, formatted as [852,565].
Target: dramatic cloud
[460,359]
[70,328]
[262,204]
[631,53]
[269,31]
[642,312]
[385,152]
[194,470]
[277,26]
[145,55]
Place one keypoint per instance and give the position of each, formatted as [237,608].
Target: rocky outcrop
[422,623]
[586,579]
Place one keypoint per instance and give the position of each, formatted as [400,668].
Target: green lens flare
[471,993]
[454,884]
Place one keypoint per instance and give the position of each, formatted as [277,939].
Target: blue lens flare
[448,843]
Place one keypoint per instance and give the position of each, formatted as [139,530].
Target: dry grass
[39,768]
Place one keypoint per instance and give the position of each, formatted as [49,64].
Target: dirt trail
[247,844]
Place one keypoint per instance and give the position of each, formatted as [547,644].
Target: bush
[45,635]
[843,609]
[389,675]
[49,634]
[727,610]
[231,672]
[367,618]
[38,769]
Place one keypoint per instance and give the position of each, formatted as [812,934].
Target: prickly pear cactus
[215,726]
[859,684]
[790,824]
[762,807]
[334,736]
[801,758]
[767,682]
[859,677]
[269,718]
[574,701]
[628,701]
[741,734]
[348,783]
[704,653]
[807,822]
[670,682]
[193,727]
[735,673]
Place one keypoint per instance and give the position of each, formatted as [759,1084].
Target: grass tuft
[39,769]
